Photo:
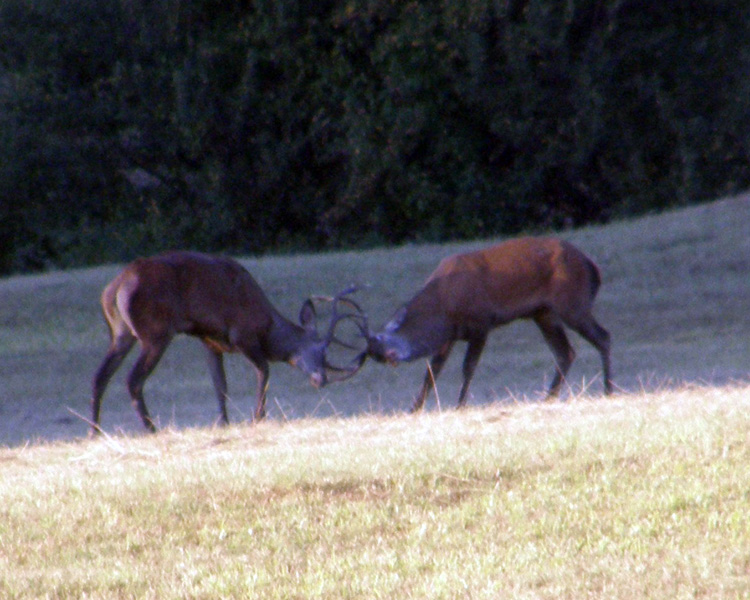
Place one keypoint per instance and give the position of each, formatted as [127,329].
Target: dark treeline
[131,126]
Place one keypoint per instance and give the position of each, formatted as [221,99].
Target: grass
[341,495]
[642,496]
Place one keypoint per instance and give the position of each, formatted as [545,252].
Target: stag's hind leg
[118,350]
[150,355]
[598,337]
[556,338]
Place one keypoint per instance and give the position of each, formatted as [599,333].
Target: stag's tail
[115,300]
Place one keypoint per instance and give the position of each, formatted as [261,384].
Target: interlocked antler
[359,318]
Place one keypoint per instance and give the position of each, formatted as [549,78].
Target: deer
[547,280]
[216,300]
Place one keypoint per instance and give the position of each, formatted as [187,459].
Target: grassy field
[642,496]
[340,495]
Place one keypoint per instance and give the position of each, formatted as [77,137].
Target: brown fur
[211,298]
[544,279]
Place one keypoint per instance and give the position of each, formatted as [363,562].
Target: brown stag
[544,279]
[217,301]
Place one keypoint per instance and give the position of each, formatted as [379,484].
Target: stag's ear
[397,320]
[307,315]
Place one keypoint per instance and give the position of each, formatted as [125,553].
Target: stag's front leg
[218,376]
[263,377]
[473,352]
[433,370]
[254,354]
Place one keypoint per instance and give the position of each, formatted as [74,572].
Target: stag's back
[186,292]
[514,279]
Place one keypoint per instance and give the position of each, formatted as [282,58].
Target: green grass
[341,495]
[643,496]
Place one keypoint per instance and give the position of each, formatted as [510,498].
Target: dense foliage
[129,126]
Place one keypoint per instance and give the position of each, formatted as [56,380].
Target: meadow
[674,297]
[341,495]
[644,496]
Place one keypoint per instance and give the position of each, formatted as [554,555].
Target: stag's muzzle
[377,349]
[318,380]
[392,357]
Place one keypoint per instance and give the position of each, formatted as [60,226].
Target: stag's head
[416,329]
[380,346]
[310,354]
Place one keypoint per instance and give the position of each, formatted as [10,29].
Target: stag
[544,279]
[216,300]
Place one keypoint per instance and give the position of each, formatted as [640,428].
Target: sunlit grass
[644,496]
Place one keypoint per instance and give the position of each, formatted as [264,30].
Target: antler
[357,363]
[336,316]
[359,318]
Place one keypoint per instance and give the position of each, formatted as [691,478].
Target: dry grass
[641,496]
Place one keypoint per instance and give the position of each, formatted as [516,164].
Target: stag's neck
[283,339]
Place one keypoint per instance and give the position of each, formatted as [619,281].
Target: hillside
[674,297]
